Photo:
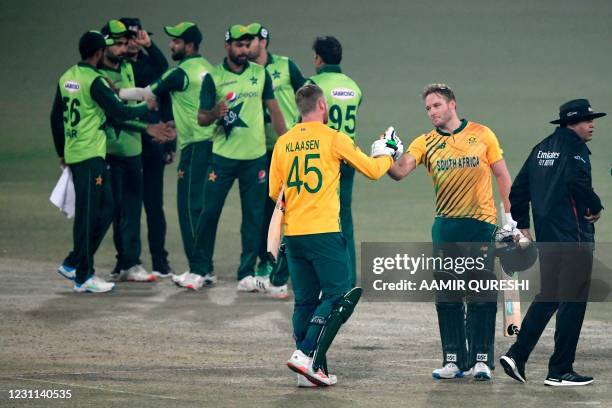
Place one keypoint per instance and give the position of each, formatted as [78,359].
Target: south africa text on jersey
[458,163]
[302,145]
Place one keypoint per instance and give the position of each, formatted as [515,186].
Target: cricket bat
[275,227]
[512,301]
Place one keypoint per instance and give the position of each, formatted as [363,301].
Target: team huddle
[119,114]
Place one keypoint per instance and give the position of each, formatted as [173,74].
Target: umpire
[556,179]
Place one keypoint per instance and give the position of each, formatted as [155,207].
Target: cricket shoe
[165,271]
[450,370]
[210,279]
[513,367]
[481,372]
[94,285]
[67,271]
[194,281]
[304,382]
[136,274]
[302,364]
[191,281]
[178,278]
[265,286]
[247,284]
[568,379]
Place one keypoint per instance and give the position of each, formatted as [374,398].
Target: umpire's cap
[116,29]
[92,41]
[574,111]
[186,31]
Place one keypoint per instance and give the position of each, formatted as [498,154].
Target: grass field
[511,64]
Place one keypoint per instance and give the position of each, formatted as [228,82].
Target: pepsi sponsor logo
[343,93]
[72,86]
[231,97]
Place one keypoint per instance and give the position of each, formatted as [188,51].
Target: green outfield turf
[511,65]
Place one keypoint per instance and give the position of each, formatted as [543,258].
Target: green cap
[238,32]
[189,32]
[256,29]
[116,29]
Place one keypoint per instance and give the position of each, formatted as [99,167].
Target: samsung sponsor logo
[343,93]
[72,86]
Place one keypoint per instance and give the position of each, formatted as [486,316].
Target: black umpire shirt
[556,179]
[148,67]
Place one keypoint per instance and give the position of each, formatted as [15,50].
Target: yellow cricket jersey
[459,166]
[306,160]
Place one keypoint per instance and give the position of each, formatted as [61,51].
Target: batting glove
[509,229]
[380,148]
[394,142]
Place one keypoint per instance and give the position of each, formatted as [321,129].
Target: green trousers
[191,172]
[126,182]
[93,214]
[253,182]
[320,276]
[347,176]
[474,327]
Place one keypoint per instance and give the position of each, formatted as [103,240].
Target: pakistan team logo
[232,119]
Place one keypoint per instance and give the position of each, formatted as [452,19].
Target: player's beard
[178,55]
[240,59]
[253,55]
[115,59]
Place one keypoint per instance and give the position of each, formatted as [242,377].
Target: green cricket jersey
[286,80]
[240,135]
[183,83]
[343,98]
[120,141]
[84,119]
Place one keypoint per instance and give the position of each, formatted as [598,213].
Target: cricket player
[123,155]
[460,156]
[183,83]
[306,163]
[233,97]
[82,104]
[286,80]
[343,97]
